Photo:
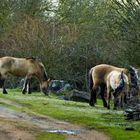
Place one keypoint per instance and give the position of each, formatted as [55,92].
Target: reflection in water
[64,131]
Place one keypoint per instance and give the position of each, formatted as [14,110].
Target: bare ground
[16,125]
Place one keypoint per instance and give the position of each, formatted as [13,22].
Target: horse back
[18,66]
[100,73]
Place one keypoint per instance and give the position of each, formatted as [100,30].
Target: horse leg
[2,80]
[91,102]
[92,96]
[116,101]
[109,98]
[29,87]
[102,93]
[25,86]
[122,98]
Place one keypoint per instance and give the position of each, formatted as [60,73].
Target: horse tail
[92,100]
[90,79]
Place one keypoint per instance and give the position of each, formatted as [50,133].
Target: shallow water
[65,131]
[44,123]
[48,124]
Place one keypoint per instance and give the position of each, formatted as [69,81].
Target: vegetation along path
[18,124]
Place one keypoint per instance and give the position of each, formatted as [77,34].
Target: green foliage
[71,36]
[126,17]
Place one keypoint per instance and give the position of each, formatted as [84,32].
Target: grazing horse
[23,67]
[118,87]
[98,79]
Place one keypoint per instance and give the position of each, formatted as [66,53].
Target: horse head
[121,84]
[44,86]
[44,80]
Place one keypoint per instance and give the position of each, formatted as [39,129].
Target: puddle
[65,131]
[51,125]
[44,123]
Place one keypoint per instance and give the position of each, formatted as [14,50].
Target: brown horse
[98,79]
[23,67]
[118,87]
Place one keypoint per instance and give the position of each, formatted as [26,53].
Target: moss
[50,136]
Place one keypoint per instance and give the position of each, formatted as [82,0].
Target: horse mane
[31,58]
[121,85]
[44,76]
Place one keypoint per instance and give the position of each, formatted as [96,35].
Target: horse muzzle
[45,91]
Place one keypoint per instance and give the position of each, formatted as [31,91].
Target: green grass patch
[111,122]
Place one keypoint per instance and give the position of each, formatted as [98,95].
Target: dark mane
[44,75]
[121,85]
[32,58]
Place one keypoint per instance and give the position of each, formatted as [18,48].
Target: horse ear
[49,80]
[122,75]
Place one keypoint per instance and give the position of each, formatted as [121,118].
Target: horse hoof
[91,103]
[5,92]
[108,107]
[23,92]
[114,108]
[105,105]
[46,94]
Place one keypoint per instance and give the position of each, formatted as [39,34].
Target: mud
[12,130]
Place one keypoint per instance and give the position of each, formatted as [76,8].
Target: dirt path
[17,125]
[14,130]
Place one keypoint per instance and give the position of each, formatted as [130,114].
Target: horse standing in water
[118,87]
[23,67]
[98,79]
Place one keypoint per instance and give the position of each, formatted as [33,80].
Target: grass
[50,136]
[111,122]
